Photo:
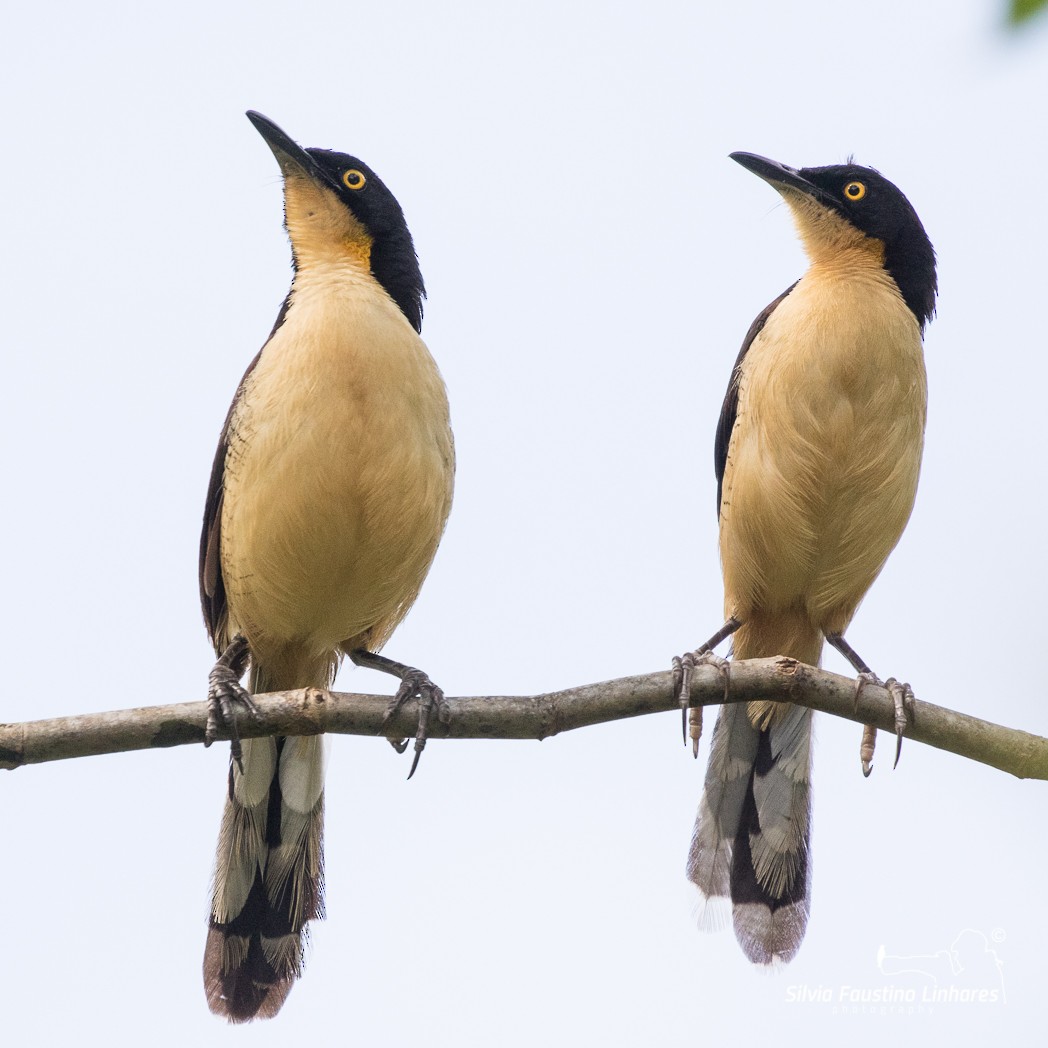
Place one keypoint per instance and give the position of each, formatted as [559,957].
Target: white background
[593,261]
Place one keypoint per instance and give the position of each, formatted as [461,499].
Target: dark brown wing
[730,407]
[212,586]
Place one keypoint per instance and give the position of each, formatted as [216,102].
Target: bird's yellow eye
[855,190]
[353,179]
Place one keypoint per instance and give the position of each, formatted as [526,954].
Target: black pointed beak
[778,175]
[291,157]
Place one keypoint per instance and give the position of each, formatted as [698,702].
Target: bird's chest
[338,473]
[834,387]
[826,448]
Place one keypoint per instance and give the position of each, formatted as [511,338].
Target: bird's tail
[752,835]
[269,871]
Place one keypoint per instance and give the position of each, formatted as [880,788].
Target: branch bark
[311,712]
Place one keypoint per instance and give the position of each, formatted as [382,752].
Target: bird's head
[337,210]
[848,208]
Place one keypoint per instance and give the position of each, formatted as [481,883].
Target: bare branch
[310,712]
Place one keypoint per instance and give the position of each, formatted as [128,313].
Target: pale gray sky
[593,260]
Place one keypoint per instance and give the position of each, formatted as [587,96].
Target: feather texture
[328,497]
[268,882]
[818,453]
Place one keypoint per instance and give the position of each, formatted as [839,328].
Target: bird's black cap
[393,260]
[875,207]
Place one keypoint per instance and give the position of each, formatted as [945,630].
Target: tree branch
[311,712]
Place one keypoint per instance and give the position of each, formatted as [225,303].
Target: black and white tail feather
[268,880]
[753,831]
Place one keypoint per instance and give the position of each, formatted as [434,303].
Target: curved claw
[682,689]
[683,667]
[429,696]
[866,748]
[416,684]
[419,747]
[226,697]
[413,684]
[868,744]
[904,699]
[695,725]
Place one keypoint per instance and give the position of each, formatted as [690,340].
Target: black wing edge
[730,407]
[212,586]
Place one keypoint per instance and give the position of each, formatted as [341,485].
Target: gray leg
[413,684]
[226,695]
[902,697]
[683,666]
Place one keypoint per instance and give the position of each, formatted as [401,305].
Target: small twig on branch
[311,712]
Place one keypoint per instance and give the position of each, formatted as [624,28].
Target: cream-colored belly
[825,453]
[338,476]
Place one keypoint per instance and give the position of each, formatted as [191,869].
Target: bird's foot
[866,748]
[226,697]
[903,698]
[416,684]
[869,731]
[684,667]
[413,684]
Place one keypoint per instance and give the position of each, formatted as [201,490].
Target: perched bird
[329,494]
[817,455]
